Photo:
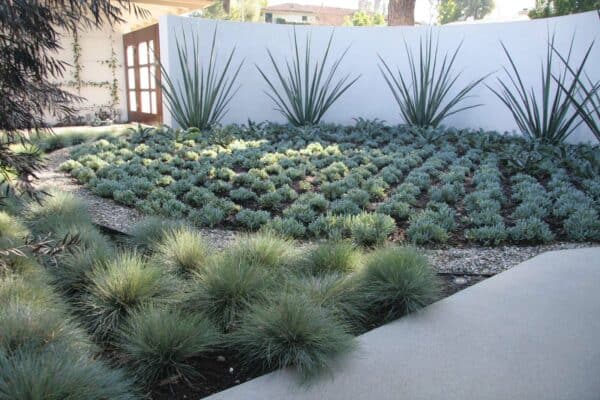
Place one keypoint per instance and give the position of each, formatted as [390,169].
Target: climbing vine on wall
[113,63]
[77,82]
[77,67]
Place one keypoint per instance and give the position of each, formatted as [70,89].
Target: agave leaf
[547,114]
[201,97]
[586,97]
[426,95]
[305,90]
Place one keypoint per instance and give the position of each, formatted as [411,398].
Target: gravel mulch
[106,212]
[458,261]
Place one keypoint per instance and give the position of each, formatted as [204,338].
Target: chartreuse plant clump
[367,183]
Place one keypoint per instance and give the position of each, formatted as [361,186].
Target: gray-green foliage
[182,250]
[371,229]
[201,97]
[546,113]
[291,331]
[160,343]
[332,257]
[397,281]
[428,95]
[58,373]
[303,90]
[127,283]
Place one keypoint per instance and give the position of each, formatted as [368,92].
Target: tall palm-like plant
[426,96]
[201,97]
[547,115]
[306,90]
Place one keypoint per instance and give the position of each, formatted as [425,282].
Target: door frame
[133,40]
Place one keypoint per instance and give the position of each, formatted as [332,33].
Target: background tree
[401,12]
[362,18]
[30,32]
[460,10]
[552,8]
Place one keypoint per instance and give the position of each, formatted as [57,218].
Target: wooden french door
[142,75]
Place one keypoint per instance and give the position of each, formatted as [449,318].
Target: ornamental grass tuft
[397,281]
[125,284]
[291,331]
[183,251]
[161,343]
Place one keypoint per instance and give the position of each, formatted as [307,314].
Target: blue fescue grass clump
[56,212]
[58,373]
[161,343]
[397,281]
[127,283]
[182,250]
[150,231]
[332,257]
[291,331]
[226,288]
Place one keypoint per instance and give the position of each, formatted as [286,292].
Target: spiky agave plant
[427,96]
[201,97]
[587,95]
[306,90]
[547,114]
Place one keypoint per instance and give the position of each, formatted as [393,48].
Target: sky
[503,9]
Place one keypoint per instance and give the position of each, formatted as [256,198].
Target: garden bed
[162,313]
[427,187]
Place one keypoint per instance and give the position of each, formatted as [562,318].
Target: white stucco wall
[370,97]
[95,48]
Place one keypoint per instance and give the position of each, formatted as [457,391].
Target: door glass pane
[151,50]
[130,60]
[153,101]
[152,77]
[144,78]
[145,99]
[131,78]
[143,51]
[132,101]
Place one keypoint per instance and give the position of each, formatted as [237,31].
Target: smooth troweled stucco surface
[532,332]
[481,55]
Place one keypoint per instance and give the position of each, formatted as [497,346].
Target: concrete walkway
[530,333]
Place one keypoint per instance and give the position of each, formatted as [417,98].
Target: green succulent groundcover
[365,181]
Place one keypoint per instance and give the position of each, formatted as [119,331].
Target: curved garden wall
[370,97]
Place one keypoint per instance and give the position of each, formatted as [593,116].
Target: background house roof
[324,15]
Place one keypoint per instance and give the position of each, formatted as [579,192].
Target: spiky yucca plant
[545,114]
[307,90]
[427,96]
[201,97]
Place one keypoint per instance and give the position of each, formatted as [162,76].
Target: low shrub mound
[27,326]
[127,283]
[265,249]
[150,231]
[396,281]
[337,293]
[226,289]
[183,250]
[161,343]
[332,257]
[291,331]
[56,212]
[58,373]
[369,182]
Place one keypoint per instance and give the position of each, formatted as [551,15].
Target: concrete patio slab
[532,332]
